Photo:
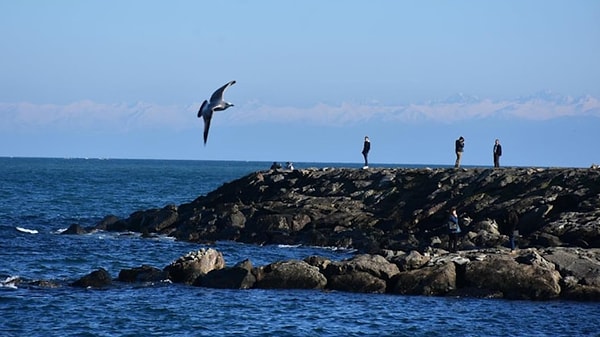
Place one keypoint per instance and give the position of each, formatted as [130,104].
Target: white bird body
[216,103]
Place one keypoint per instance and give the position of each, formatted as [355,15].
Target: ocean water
[42,197]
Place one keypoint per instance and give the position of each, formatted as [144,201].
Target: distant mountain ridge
[84,114]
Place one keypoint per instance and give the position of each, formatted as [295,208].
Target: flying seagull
[216,103]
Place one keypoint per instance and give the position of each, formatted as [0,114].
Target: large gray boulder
[373,264]
[292,274]
[437,280]
[580,271]
[532,278]
[583,265]
[239,276]
[362,273]
[194,264]
[357,281]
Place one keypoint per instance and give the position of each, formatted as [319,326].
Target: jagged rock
[96,279]
[106,222]
[318,261]
[362,273]
[375,265]
[237,277]
[410,261]
[437,280]
[194,264]
[542,240]
[142,274]
[357,281]
[291,274]
[502,273]
[582,266]
[579,292]
[75,229]
[44,284]
[154,220]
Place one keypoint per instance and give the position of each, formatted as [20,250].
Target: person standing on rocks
[512,223]
[459,147]
[365,151]
[453,230]
[497,153]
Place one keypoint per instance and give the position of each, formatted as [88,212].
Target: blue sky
[124,79]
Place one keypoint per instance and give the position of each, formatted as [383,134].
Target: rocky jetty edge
[395,218]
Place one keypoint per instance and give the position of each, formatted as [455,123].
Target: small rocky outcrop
[529,274]
[75,229]
[96,279]
[15,281]
[188,268]
[142,274]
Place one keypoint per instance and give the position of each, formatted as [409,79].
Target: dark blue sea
[42,197]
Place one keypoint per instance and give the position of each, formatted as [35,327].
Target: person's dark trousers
[453,237]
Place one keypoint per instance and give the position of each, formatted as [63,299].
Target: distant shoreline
[303,165]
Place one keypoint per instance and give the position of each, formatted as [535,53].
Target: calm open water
[41,197]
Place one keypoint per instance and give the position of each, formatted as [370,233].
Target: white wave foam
[26,230]
[331,248]
[9,282]
[288,246]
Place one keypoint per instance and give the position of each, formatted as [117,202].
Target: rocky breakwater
[397,209]
[399,215]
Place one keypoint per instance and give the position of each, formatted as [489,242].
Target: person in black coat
[453,230]
[497,153]
[365,151]
[459,147]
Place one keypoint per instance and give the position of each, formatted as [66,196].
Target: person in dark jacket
[365,151]
[512,223]
[497,153]
[459,147]
[453,230]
